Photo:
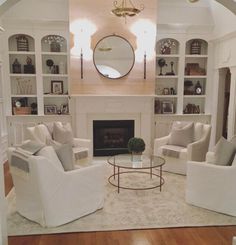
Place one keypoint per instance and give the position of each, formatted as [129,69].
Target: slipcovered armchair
[186,141]
[50,196]
[45,133]
[211,184]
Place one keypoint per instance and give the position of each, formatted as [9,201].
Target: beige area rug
[130,210]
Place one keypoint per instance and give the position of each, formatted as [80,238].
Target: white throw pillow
[234,161]
[66,156]
[63,133]
[49,153]
[224,152]
[42,133]
[182,136]
[30,147]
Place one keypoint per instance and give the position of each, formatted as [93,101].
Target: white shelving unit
[31,81]
[189,67]
[167,77]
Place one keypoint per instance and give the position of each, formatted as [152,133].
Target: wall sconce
[145,65]
[81,65]
[82,31]
[145,31]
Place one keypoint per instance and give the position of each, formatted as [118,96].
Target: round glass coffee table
[123,165]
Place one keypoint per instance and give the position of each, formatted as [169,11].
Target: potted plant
[136,146]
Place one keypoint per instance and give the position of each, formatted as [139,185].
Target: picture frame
[50,109]
[56,87]
[166,91]
[64,109]
[167,107]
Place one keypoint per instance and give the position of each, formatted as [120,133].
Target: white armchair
[178,156]
[48,195]
[81,147]
[210,184]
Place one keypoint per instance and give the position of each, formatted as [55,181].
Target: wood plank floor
[173,236]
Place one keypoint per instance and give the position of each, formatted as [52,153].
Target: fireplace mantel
[124,107]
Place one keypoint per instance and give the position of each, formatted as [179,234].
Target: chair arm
[85,143]
[197,150]
[160,142]
[82,142]
[211,186]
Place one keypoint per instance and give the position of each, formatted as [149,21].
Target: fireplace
[111,137]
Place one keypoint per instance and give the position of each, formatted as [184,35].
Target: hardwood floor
[173,236]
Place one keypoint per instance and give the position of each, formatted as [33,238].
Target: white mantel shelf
[114,95]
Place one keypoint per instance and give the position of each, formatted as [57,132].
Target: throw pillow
[30,147]
[234,161]
[183,136]
[66,156]
[49,153]
[224,152]
[62,133]
[42,133]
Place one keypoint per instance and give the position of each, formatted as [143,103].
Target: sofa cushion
[66,156]
[224,152]
[49,153]
[63,133]
[173,151]
[182,136]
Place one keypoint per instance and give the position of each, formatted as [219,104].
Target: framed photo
[50,109]
[57,87]
[166,91]
[167,107]
[64,109]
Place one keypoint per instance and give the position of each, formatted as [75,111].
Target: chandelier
[124,9]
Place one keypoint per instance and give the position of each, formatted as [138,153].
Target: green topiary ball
[136,145]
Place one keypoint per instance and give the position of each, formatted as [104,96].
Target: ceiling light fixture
[126,8]
[193,1]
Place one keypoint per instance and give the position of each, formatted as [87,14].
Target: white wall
[44,10]
[224,19]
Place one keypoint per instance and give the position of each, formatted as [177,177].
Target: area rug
[130,210]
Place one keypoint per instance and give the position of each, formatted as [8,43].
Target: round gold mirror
[113,57]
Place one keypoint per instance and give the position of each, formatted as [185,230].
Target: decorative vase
[136,156]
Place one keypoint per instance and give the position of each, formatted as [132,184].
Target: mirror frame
[131,67]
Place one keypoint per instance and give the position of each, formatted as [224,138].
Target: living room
[87,95]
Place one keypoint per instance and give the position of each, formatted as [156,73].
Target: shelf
[196,56]
[194,96]
[195,76]
[22,75]
[166,76]
[24,95]
[22,52]
[56,95]
[54,53]
[55,75]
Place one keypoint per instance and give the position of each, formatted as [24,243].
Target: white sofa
[48,195]
[195,151]
[41,133]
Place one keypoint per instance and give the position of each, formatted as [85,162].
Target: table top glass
[125,161]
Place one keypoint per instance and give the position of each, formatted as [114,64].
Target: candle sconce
[145,65]
[81,65]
